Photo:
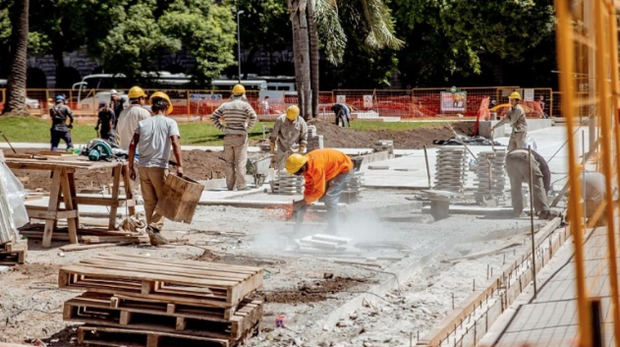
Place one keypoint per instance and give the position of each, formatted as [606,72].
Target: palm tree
[311,17]
[16,93]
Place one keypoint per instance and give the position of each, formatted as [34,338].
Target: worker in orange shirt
[326,172]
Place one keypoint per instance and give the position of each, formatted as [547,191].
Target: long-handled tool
[456,138]
[7,141]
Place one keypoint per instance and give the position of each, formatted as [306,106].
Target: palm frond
[380,25]
[330,29]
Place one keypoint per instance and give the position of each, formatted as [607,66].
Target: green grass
[33,129]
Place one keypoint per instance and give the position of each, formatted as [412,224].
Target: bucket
[181,196]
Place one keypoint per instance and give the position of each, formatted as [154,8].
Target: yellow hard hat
[514,95]
[238,89]
[136,92]
[292,112]
[295,162]
[161,95]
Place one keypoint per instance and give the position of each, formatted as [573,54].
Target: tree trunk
[301,53]
[314,58]
[16,92]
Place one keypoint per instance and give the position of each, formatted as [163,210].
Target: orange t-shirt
[323,166]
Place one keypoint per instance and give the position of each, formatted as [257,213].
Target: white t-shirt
[154,145]
[128,122]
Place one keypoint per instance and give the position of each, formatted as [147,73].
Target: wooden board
[16,254]
[110,336]
[181,195]
[108,310]
[175,281]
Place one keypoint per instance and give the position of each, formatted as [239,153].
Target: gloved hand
[70,126]
[302,149]
[272,148]
[97,128]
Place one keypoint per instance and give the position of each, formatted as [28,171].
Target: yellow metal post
[602,47]
[565,57]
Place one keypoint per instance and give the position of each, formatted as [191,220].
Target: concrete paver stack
[450,169]
[315,141]
[490,163]
[286,184]
[143,301]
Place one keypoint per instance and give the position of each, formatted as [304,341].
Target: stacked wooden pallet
[144,301]
[12,253]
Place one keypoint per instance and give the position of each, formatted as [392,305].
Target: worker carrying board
[516,118]
[518,171]
[290,134]
[326,172]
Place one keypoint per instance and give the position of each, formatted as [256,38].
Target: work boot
[155,236]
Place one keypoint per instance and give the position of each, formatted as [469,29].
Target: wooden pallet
[188,282]
[13,253]
[110,336]
[95,309]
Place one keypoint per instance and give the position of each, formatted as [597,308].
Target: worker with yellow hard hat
[516,118]
[326,173]
[235,119]
[127,120]
[289,135]
[154,138]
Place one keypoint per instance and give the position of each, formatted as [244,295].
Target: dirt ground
[334,136]
[197,164]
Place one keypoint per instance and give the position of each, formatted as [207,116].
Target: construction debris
[384,145]
[156,300]
[450,169]
[490,176]
[323,242]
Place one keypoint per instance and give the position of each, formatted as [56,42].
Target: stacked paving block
[286,184]
[384,145]
[490,175]
[450,169]
[133,300]
[315,141]
[13,253]
[353,188]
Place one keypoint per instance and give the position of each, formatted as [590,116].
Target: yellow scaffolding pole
[565,56]
[602,47]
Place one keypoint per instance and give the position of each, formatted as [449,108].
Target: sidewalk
[551,319]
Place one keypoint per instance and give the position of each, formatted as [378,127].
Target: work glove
[272,148]
[70,126]
[97,128]
[302,149]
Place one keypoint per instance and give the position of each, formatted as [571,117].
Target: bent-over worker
[153,138]
[290,134]
[239,118]
[516,118]
[326,172]
[518,172]
[343,114]
[60,130]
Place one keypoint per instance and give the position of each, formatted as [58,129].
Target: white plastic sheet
[13,213]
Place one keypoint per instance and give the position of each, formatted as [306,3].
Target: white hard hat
[113,91]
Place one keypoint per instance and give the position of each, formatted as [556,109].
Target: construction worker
[290,134]
[342,113]
[517,120]
[128,119]
[518,171]
[239,118]
[105,122]
[153,138]
[60,130]
[326,172]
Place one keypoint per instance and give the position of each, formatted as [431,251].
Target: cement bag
[15,195]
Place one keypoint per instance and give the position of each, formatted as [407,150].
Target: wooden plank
[131,203]
[110,336]
[52,207]
[68,201]
[76,247]
[92,239]
[40,212]
[116,173]
[184,262]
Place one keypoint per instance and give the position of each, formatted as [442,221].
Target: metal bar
[529,165]
[605,126]
[428,170]
[565,57]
